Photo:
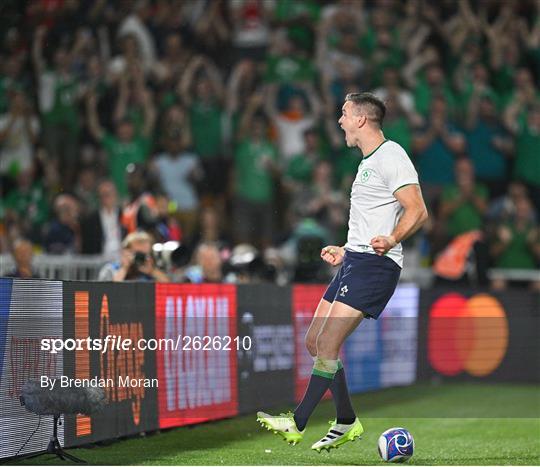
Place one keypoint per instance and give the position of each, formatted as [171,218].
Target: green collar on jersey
[373,152]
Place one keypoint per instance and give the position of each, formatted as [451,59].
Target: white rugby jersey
[374,209]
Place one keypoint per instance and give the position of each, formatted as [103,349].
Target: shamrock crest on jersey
[365,174]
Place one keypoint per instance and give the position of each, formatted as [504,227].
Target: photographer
[136,263]
[207,265]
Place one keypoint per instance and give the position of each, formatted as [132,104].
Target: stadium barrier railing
[59,267]
[87,267]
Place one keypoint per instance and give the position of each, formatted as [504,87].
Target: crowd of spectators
[213,124]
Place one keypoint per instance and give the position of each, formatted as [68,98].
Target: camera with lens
[139,258]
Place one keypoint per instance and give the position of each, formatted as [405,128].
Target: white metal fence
[86,268]
[60,267]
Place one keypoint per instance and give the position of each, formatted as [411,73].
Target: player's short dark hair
[373,107]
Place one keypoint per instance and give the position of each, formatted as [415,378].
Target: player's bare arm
[414,216]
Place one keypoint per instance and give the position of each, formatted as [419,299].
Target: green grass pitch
[461,424]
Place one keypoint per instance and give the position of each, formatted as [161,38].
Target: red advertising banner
[305,299]
[197,358]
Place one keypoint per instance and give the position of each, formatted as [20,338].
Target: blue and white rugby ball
[396,445]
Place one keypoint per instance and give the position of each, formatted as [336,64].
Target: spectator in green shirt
[288,64]
[244,80]
[526,129]
[255,166]
[125,146]
[11,78]
[463,204]
[19,130]
[133,97]
[300,18]
[430,84]
[392,86]
[396,124]
[435,147]
[489,143]
[388,54]
[523,89]
[300,168]
[471,82]
[202,92]
[323,203]
[27,206]
[516,245]
[59,95]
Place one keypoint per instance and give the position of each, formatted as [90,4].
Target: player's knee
[326,345]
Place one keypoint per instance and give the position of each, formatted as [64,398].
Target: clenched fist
[382,244]
[333,254]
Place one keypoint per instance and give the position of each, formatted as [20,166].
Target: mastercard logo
[467,335]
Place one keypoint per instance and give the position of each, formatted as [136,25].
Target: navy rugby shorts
[365,282]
